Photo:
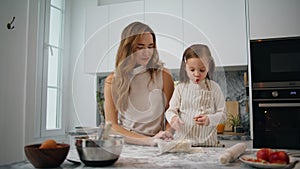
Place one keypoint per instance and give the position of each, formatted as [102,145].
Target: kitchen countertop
[133,156]
[234,136]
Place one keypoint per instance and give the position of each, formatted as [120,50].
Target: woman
[138,92]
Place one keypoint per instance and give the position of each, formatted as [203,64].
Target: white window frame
[41,130]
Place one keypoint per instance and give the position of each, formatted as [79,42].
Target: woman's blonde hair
[197,51]
[125,62]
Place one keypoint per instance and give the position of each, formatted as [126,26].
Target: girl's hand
[176,123]
[202,120]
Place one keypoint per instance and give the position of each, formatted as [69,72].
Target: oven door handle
[278,104]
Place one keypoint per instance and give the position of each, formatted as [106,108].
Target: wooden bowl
[46,158]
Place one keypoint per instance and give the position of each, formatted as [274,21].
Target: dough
[174,146]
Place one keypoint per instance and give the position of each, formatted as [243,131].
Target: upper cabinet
[104,25]
[120,15]
[219,24]
[177,23]
[274,18]
[96,40]
[165,18]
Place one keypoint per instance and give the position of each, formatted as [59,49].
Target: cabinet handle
[278,104]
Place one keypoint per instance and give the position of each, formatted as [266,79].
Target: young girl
[197,104]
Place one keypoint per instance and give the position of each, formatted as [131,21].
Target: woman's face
[196,70]
[144,49]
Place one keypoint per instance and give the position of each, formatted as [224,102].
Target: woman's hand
[202,120]
[176,123]
[163,135]
[167,135]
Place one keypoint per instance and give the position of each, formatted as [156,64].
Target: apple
[279,157]
[264,153]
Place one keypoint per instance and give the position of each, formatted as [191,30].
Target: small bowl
[46,158]
[100,153]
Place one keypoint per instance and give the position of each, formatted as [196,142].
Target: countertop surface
[133,156]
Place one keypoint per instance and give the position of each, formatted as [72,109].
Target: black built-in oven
[276,118]
[275,74]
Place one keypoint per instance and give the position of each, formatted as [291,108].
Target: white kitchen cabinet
[120,15]
[96,40]
[165,18]
[104,25]
[219,24]
[177,23]
[274,18]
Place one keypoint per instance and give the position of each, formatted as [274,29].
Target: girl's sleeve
[220,106]
[174,104]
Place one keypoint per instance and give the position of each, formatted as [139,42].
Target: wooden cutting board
[232,108]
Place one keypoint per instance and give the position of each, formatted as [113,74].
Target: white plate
[261,164]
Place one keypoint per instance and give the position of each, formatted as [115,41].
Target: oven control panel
[293,94]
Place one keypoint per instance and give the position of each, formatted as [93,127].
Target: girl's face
[196,70]
[144,49]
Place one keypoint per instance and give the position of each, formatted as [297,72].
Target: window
[51,58]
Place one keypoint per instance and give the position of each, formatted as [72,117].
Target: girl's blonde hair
[125,62]
[197,51]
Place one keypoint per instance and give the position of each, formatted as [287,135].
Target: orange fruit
[48,144]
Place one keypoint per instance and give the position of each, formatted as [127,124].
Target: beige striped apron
[194,102]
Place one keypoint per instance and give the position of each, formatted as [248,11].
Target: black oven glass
[276,124]
[284,62]
[275,60]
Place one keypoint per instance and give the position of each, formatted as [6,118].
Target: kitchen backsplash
[231,82]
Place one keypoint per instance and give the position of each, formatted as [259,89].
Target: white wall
[13,79]
[18,75]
